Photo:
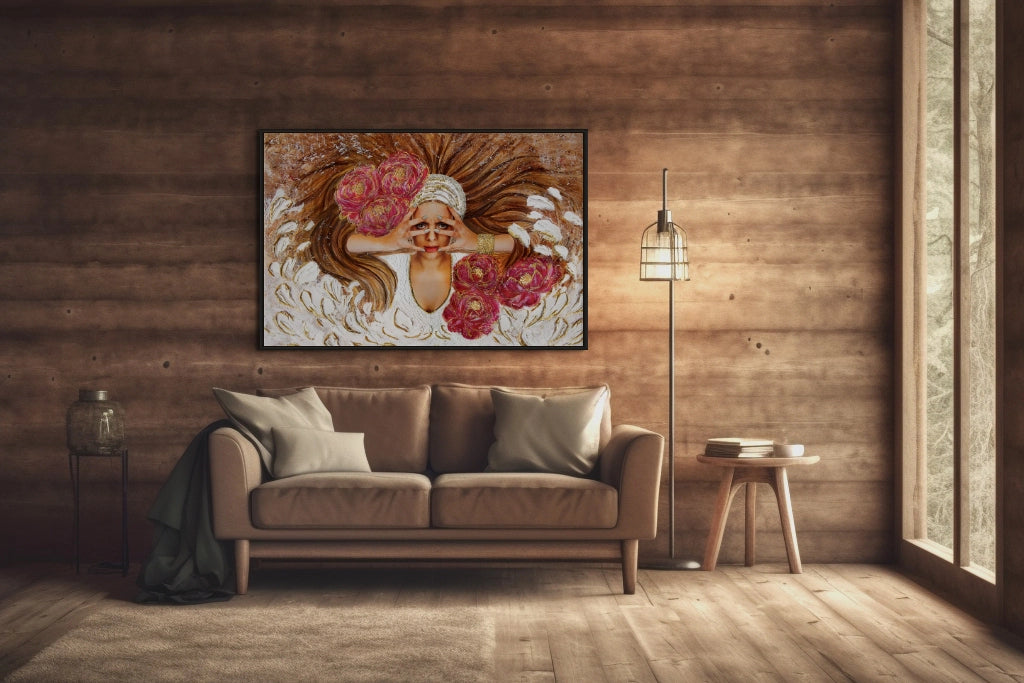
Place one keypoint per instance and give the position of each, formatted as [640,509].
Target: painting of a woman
[423,239]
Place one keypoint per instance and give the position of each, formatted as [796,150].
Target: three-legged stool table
[737,472]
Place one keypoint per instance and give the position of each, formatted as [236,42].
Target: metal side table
[74,463]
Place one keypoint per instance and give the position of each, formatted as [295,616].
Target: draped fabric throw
[187,565]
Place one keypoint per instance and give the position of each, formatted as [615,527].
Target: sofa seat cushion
[343,500]
[522,500]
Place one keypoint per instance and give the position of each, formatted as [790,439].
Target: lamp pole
[671,420]
[665,223]
[677,268]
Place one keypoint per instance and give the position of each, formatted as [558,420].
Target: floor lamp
[663,258]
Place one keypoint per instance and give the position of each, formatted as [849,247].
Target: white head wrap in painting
[444,189]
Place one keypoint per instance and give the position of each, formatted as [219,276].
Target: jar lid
[93,395]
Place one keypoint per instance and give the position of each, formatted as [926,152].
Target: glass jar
[95,424]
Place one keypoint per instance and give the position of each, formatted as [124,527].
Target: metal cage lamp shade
[663,249]
[663,257]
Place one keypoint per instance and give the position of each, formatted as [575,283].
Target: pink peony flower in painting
[375,199]
[401,175]
[358,187]
[471,313]
[528,279]
[476,271]
[380,215]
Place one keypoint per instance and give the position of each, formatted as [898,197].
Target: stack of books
[737,447]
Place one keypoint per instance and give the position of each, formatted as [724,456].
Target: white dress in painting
[405,314]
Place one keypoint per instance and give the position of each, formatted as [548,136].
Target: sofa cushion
[394,423]
[522,500]
[557,434]
[462,424]
[256,416]
[303,451]
[343,500]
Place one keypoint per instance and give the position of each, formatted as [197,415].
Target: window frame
[941,568]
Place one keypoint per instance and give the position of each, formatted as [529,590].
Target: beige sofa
[429,495]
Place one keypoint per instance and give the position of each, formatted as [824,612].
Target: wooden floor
[572,623]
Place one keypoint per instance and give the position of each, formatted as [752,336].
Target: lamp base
[670,563]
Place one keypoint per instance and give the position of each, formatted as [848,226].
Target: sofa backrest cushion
[462,423]
[555,434]
[256,416]
[394,423]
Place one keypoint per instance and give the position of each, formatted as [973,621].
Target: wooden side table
[737,472]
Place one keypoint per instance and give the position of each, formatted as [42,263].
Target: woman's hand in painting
[460,238]
[406,231]
[398,239]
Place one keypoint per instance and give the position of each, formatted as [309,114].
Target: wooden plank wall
[1011,476]
[128,227]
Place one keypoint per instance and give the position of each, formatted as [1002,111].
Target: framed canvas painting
[424,239]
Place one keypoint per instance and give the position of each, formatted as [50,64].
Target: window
[948,293]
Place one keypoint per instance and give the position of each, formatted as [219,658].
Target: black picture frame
[423,239]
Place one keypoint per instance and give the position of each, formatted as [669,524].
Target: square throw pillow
[559,434]
[302,451]
[256,416]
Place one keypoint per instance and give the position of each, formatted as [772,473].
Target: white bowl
[788,450]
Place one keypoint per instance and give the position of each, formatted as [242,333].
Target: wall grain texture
[128,227]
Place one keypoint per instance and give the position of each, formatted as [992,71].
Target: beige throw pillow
[256,416]
[559,434]
[301,451]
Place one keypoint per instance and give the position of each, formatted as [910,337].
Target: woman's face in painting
[432,216]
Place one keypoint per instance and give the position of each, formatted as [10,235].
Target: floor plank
[707,630]
[572,623]
[894,637]
[780,647]
[987,651]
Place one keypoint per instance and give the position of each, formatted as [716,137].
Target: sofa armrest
[631,462]
[235,470]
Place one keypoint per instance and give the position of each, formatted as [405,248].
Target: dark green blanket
[187,564]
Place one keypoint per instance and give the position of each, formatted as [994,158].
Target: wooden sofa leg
[629,561]
[241,566]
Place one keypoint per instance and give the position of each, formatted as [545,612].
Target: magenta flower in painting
[471,313]
[476,271]
[380,215]
[376,199]
[356,189]
[401,175]
[530,278]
